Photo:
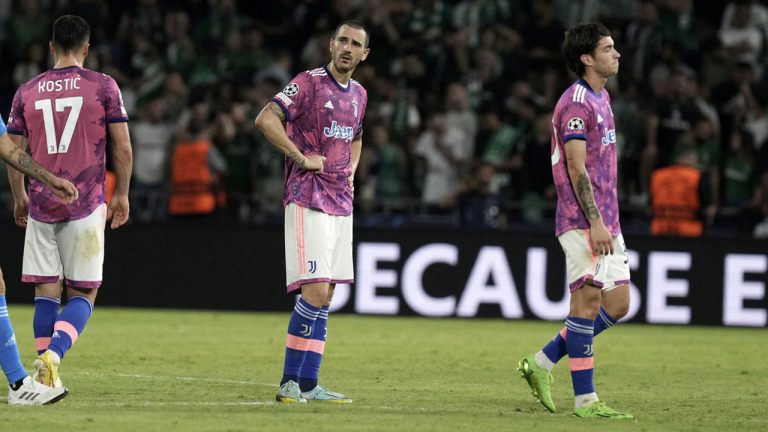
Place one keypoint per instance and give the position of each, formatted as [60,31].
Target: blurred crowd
[461,92]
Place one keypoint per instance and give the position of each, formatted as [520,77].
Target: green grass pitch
[168,370]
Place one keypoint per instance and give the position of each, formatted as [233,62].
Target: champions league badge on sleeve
[576,124]
[291,89]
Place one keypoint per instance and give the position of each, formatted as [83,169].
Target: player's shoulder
[97,76]
[573,99]
[359,87]
[32,82]
[312,75]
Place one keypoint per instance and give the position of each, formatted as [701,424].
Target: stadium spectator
[443,152]
[153,138]
[676,197]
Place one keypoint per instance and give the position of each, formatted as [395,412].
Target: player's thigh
[81,244]
[308,246]
[342,266]
[582,267]
[42,260]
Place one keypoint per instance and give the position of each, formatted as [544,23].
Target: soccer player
[587,221]
[64,116]
[23,389]
[316,121]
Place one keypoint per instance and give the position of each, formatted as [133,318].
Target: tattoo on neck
[298,158]
[587,197]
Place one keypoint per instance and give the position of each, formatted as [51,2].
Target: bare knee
[585,302]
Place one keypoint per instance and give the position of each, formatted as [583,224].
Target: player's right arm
[11,150]
[576,156]
[270,122]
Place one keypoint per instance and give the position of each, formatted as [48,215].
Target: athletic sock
[556,349]
[579,338]
[9,351]
[46,314]
[310,370]
[70,324]
[300,330]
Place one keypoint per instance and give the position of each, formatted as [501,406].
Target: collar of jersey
[584,83]
[330,75]
[65,68]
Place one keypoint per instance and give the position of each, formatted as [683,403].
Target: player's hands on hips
[118,211]
[64,189]
[21,211]
[314,163]
[602,241]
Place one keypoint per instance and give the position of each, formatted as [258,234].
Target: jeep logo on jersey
[610,137]
[336,131]
[576,124]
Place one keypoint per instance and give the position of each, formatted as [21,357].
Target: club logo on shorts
[576,123]
[312,266]
[291,89]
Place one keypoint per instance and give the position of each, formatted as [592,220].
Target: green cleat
[321,394]
[290,393]
[539,380]
[600,410]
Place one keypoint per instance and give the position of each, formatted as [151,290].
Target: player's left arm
[354,157]
[122,161]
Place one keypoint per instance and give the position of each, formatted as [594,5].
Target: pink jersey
[583,114]
[322,118]
[64,114]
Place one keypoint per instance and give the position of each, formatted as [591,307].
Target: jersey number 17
[46,105]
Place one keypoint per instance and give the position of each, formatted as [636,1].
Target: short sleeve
[2,126]
[16,123]
[114,102]
[359,132]
[574,122]
[296,98]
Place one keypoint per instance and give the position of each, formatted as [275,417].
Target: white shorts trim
[318,247]
[73,250]
[603,271]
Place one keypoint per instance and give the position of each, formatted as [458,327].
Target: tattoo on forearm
[587,197]
[298,158]
[24,160]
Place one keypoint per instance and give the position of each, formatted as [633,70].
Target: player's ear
[51,48]
[365,54]
[587,59]
[86,49]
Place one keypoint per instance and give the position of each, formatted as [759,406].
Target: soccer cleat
[539,380]
[290,393]
[46,370]
[321,394]
[600,410]
[32,392]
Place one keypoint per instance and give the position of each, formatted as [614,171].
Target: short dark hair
[579,40]
[70,32]
[354,24]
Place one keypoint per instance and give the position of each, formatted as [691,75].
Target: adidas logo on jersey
[328,105]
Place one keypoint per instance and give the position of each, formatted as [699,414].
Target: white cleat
[32,392]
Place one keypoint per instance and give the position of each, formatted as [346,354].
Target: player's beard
[341,68]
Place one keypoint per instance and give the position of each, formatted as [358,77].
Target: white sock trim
[584,400]
[543,361]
